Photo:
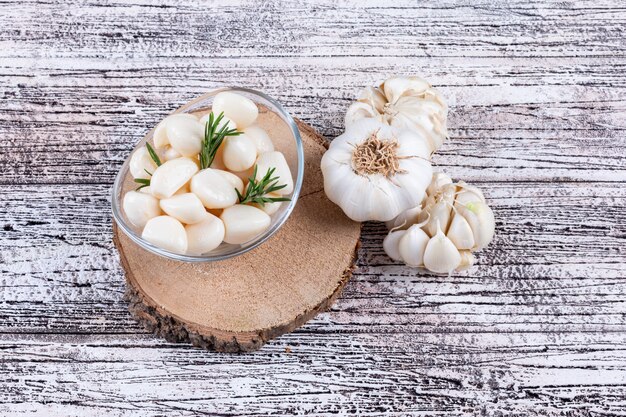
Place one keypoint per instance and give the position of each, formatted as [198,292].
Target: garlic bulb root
[441,233]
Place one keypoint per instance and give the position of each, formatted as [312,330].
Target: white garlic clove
[239,152]
[405,219]
[141,163]
[374,97]
[391,242]
[186,208]
[358,111]
[460,233]
[205,235]
[146,190]
[233,179]
[215,188]
[467,260]
[276,160]
[185,135]
[441,256]
[482,221]
[140,207]
[243,223]
[184,189]
[396,87]
[170,153]
[468,194]
[160,138]
[439,214]
[166,232]
[225,121]
[172,175]
[218,161]
[260,138]
[236,107]
[439,180]
[412,246]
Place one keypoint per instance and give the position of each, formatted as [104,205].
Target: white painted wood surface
[538,120]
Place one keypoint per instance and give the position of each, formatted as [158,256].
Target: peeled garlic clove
[186,208]
[390,244]
[225,121]
[146,190]
[172,175]
[236,107]
[205,235]
[405,219]
[184,189]
[277,160]
[140,207]
[185,135]
[460,233]
[412,246]
[480,218]
[141,163]
[260,138]
[215,188]
[160,138]
[166,232]
[233,179]
[171,153]
[441,256]
[467,260]
[239,152]
[244,223]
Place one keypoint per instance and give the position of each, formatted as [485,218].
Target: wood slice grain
[238,304]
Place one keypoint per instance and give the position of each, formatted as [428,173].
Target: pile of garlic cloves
[379,169]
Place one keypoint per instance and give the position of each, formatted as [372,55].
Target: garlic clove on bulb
[441,256]
[482,221]
[374,98]
[397,87]
[405,219]
[243,223]
[166,232]
[172,175]
[236,107]
[141,163]
[186,208]
[205,235]
[391,242]
[276,160]
[239,152]
[358,111]
[140,207]
[439,214]
[439,180]
[468,194]
[215,188]
[260,138]
[467,260]
[224,122]
[460,233]
[185,135]
[412,246]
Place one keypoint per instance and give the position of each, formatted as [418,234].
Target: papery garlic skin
[141,164]
[236,107]
[140,207]
[166,232]
[172,175]
[452,221]
[205,235]
[243,223]
[404,103]
[397,181]
[186,208]
[215,188]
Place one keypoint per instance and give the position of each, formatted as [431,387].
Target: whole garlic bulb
[374,172]
[404,103]
[440,235]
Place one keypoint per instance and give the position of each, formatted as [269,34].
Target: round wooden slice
[241,303]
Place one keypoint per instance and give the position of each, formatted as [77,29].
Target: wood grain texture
[537,118]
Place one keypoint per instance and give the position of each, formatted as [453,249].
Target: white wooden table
[538,120]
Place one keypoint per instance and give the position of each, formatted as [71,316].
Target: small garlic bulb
[374,172]
[440,234]
[404,103]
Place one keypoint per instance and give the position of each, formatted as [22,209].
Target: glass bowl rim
[119,179]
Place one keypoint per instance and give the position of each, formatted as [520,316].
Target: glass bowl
[286,137]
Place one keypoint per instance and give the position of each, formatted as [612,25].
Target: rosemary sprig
[213,139]
[145,182]
[258,189]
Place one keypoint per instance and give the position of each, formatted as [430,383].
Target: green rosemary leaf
[145,182]
[213,139]
[153,155]
[257,190]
